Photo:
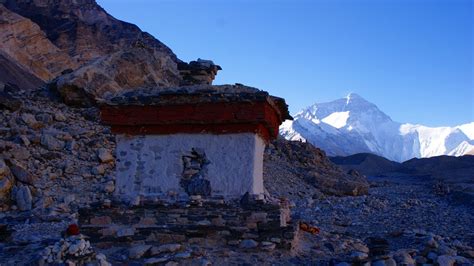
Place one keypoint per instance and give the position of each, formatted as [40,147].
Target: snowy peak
[352,103]
[467,129]
[337,119]
[352,125]
[354,97]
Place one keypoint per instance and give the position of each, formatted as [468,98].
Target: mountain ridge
[353,125]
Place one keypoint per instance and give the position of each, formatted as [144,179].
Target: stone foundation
[154,223]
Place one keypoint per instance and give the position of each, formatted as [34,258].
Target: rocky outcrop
[126,69]
[13,73]
[103,55]
[83,29]
[25,43]
[198,72]
[87,52]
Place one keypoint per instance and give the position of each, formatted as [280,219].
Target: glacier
[353,125]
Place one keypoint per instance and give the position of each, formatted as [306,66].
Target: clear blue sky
[414,59]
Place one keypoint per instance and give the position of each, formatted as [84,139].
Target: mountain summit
[353,125]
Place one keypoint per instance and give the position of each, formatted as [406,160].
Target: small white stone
[105,155]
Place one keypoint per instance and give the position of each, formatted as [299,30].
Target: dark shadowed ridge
[441,166]
[366,163]
[12,73]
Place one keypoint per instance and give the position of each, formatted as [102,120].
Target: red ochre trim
[261,130]
[215,118]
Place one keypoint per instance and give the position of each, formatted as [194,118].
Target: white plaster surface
[152,165]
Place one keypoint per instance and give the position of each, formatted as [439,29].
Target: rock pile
[72,250]
[87,50]
[198,72]
[194,171]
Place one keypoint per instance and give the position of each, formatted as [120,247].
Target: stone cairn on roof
[198,72]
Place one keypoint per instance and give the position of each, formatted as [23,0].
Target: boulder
[23,198]
[22,174]
[24,42]
[403,258]
[51,143]
[138,251]
[129,68]
[248,244]
[358,256]
[166,248]
[445,260]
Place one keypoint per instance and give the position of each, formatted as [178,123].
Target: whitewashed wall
[152,164]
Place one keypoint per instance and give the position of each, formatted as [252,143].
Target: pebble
[182,255]
[403,257]
[22,174]
[138,251]
[60,117]
[109,186]
[105,155]
[358,256]
[23,198]
[30,120]
[166,248]
[126,232]
[267,246]
[154,261]
[445,260]
[51,143]
[248,244]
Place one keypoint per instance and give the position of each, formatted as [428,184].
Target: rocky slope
[82,29]
[14,74]
[89,51]
[27,45]
[55,156]
[293,168]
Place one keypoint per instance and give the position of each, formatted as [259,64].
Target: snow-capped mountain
[352,125]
